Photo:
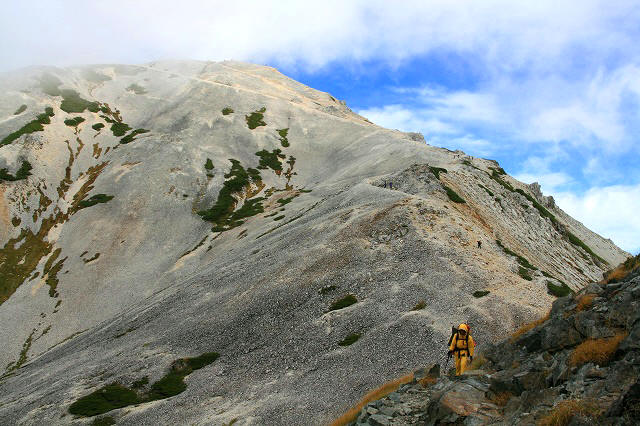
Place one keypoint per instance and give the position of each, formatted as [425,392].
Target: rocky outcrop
[581,364]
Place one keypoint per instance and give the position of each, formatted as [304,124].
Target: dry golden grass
[621,271]
[427,381]
[375,394]
[501,398]
[563,412]
[598,351]
[526,327]
[585,301]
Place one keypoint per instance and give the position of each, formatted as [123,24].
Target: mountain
[578,365]
[156,215]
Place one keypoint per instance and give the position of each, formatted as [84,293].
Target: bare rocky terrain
[157,212]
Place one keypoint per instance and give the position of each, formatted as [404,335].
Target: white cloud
[611,211]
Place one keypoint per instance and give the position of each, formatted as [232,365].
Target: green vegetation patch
[138,90]
[271,160]
[227,110]
[283,137]
[105,399]
[73,122]
[481,293]
[436,171]
[51,270]
[498,171]
[208,164]
[278,218]
[453,195]
[20,110]
[525,273]
[486,189]
[98,126]
[96,199]
[521,260]
[284,201]
[73,103]
[36,125]
[222,213]
[103,421]
[578,242]
[255,119]
[23,172]
[115,395]
[350,339]
[119,129]
[132,136]
[344,302]
[558,290]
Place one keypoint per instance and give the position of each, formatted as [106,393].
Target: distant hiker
[385,184]
[390,185]
[479,244]
[461,346]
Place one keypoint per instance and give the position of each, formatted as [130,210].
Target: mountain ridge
[82,262]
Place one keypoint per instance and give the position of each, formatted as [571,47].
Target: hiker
[385,184]
[390,185]
[461,346]
[479,244]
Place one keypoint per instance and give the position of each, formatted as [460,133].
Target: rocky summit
[579,365]
[213,243]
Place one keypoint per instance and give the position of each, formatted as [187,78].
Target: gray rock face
[108,273]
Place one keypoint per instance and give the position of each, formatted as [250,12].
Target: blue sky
[550,89]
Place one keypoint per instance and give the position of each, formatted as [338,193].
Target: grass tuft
[208,164]
[227,111]
[598,351]
[283,137]
[564,411]
[20,110]
[73,122]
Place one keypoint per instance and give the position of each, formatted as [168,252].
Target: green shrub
[270,159]
[350,339]
[437,170]
[255,118]
[103,421]
[208,164]
[96,199]
[578,242]
[31,127]
[119,129]
[103,400]
[558,290]
[344,302]
[453,196]
[227,111]
[72,102]
[132,136]
[73,122]
[97,126]
[525,273]
[283,137]
[278,218]
[521,260]
[23,172]
[170,385]
[481,293]
[20,110]
[138,90]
